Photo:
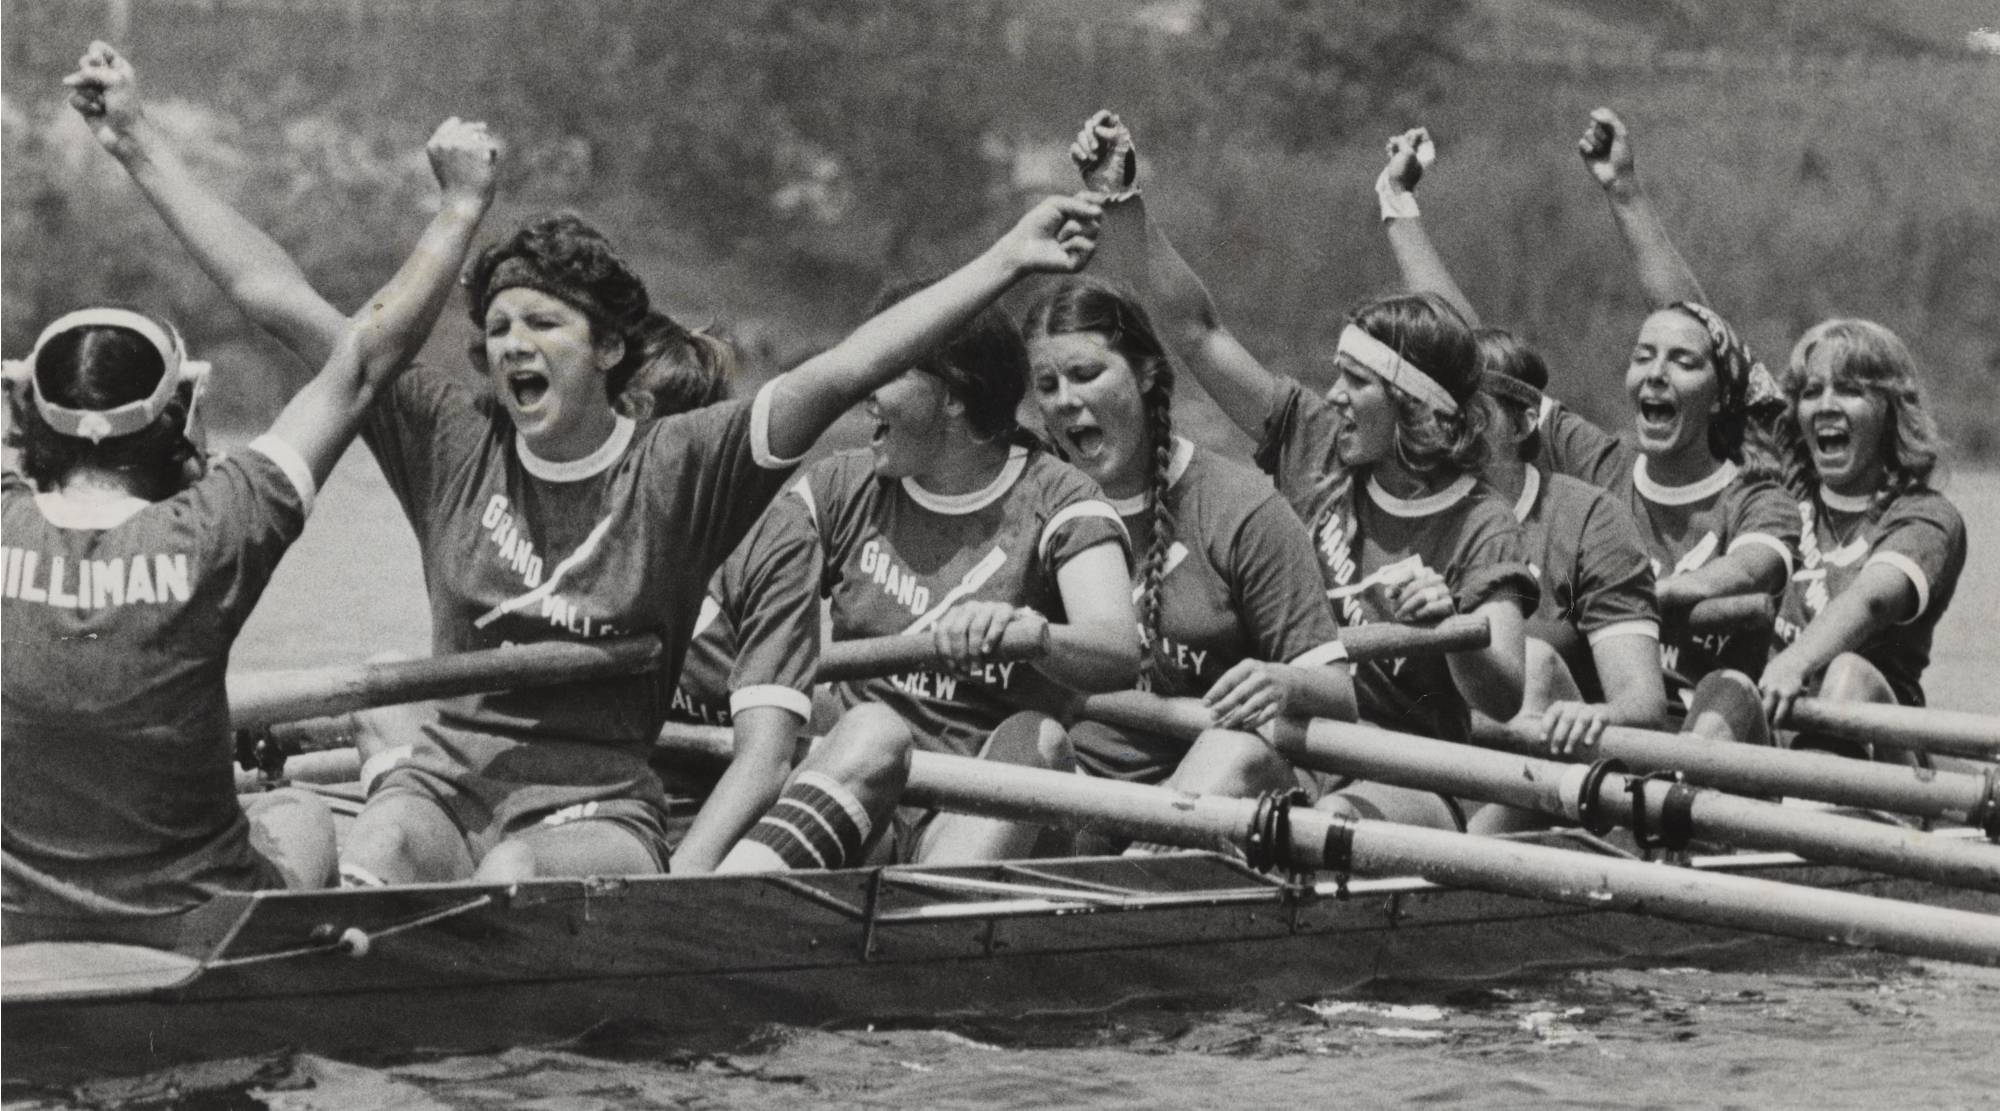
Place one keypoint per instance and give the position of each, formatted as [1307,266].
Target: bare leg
[1548,682]
[1383,802]
[1234,764]
[579,848]
[864,763]
[1727,707]
[293,829]
[403,838]
[1029,739]
[1849,678]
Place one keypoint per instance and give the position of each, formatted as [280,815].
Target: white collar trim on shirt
[976,500]
[1419,507]
[1531,488]
[1661,494]
[1176,468]
[576,470]
[93,514]
[1846,503]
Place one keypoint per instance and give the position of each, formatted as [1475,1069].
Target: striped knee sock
[816,823]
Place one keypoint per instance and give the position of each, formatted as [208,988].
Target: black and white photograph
[570,555]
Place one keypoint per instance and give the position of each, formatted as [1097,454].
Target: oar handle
[1465,632]
[1181,719]
[1735,613]
[262,698]
[1184,718]
[1941,732]
[876,656]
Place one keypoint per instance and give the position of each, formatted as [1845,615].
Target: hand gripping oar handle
[1940,732]
[1736,613]
[893,655]
[1185,718]
[1754,770]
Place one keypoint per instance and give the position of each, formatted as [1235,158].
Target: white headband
[1380,359]
[96,425]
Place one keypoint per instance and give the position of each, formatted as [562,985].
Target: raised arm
[377,345]
[1056,236]
[1225,368]
[1607,151]
[1422,267]
[247,264]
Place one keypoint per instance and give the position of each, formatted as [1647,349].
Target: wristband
[1397,204]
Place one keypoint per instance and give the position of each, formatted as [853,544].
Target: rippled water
[1822,1030]
[1788,1027]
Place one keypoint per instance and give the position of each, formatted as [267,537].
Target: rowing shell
[702,959]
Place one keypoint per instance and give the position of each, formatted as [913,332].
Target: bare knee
[869,749]
[294,830]
[1230,762]
[1849,678]
[509,862]
[1032,740]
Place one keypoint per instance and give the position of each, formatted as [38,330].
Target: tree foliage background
[768,163]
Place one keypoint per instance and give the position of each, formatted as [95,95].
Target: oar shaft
[1383,640]
[1614,883]
[1555,789]
[262,698]
[863,659]
[1733,614]
[997,790]
[1940,732]
[1755,770]
[1452,859]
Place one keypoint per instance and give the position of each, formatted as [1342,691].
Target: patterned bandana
[1747,385]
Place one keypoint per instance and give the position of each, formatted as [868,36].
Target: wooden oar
[1572,793]
[893,655]
[1321,842]
[1920,728]
[266,697]
[1381,641]
[1556,789]
[1755,770]
[1735,613]
[262,698]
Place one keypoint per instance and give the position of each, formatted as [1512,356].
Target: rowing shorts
[486,813]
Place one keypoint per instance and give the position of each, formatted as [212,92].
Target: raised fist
[464,157]
[104,90]
[1606,148]
[1104,154]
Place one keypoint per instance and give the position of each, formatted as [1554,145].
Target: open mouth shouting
[1085,442]
[527,387]
[1832,439]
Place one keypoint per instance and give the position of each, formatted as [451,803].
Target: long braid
[1160,416]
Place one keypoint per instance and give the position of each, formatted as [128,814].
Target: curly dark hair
[666,369]
[984,364]
[103,367]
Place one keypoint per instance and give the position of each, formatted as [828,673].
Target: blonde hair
[1865,352]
